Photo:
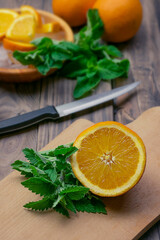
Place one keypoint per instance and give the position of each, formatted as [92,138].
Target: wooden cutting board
[129,215]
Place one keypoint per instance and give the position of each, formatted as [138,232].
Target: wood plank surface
[128,215]
[144,53]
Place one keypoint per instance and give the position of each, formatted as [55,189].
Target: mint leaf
[93,206]
[42,42]
[52,174]
[39,185]
[85,84]
[66,152]
[30,155]
[23,168]
[109,70]
[75,68]
[92,31]
[70,205]
[40,205]
[61,209]
[113,51]
[37,171]
[74,192]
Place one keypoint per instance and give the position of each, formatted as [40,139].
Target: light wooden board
[129,215]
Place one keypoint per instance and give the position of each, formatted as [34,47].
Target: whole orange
[121,18]
[72,11]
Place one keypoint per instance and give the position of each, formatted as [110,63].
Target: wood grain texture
[144,53]
[128,215]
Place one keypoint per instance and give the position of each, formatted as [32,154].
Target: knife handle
[28,119]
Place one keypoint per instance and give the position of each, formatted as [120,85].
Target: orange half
[110,160]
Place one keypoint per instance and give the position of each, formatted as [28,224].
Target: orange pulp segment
[110,160]
[53,27]
[7,16]
[22,29]
[13,45]
[26,9]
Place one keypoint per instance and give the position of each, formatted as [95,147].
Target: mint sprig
[87,60]
[49,174]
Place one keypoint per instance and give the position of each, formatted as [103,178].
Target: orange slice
[7,16]
[13,45]
[110,160]
[49,28]
[22,29]
[26,9]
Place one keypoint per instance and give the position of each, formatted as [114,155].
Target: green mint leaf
[125,65]
[61,209]
[23,168]
[42,42]
[52,174]
[29,58]
[30,155]
[75,68]
[40,205]
[99,205]
[109,70]
[92,31]
[57,201]
[113,51]
[39,185]
[95,27]
[65,151]
[74,192]
[37,172]
[70,205]
[70,178]
[85,84]
[92,205]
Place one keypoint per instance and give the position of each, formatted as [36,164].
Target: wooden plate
[19,73]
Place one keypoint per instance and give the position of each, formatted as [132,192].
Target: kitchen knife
[51,112]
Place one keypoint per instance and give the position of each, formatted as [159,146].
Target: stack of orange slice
[18,29]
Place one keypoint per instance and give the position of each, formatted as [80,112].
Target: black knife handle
[28,119]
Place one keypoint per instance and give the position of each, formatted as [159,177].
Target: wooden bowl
[28,73]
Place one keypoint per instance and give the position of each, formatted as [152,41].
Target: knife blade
[51,112]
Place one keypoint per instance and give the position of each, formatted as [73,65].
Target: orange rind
[49,28]
[26,9]
[13,45]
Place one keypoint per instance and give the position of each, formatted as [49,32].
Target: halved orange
[110,159]
[26,9]
[13,45]
[53,27]
[7,16]
[22,28]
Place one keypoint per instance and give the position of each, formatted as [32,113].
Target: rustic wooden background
[143,52]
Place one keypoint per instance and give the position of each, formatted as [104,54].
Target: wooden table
[143,51]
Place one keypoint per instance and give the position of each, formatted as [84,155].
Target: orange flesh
[6,20]
[108,152]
